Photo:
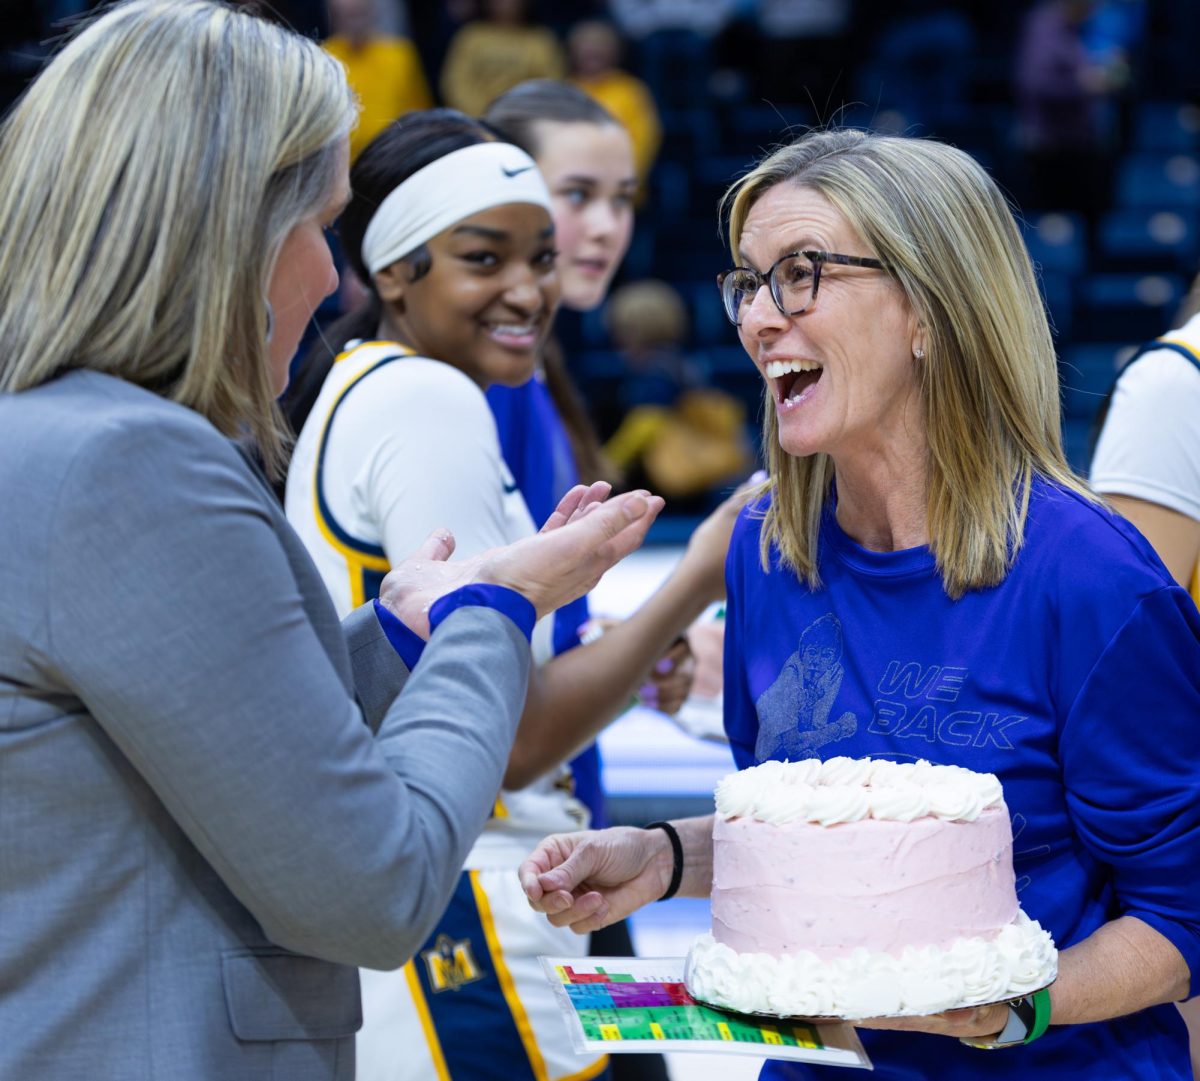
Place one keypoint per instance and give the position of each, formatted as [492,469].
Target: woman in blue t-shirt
[923,577]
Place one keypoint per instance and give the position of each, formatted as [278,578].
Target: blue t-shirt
[538,453]
[1076,681]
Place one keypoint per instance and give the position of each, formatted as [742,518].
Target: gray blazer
[199,836]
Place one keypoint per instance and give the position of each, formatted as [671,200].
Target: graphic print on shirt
[921,702]
[794,712]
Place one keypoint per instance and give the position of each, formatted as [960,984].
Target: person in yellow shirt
[384,71]
[491,55]
[594,48]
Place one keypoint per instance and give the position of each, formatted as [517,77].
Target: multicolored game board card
[640,1004]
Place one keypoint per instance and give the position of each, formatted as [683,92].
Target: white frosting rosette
[850,789]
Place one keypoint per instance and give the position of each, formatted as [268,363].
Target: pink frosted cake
[863,888]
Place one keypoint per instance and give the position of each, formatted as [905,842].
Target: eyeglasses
[793,281]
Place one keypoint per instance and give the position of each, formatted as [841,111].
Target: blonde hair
[148,180]
[989,381]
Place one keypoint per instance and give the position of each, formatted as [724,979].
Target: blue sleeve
[741,718]
[510,407]
[1130,752]
[569,620]
[409,645]
[507,602]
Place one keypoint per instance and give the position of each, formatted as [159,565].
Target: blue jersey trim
[465,1000]
[1183,350]
[324,513]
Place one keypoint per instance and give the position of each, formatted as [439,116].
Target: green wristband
[1041,1014]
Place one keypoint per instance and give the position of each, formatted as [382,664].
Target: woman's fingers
[575,502]
[438,546]
[566,507]
[542,876]
[565,561]
[586,912]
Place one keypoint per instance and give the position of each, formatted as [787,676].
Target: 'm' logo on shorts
[451,964]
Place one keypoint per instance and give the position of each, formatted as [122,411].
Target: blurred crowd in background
[1086,111]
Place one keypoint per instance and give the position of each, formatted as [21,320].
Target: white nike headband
[454,187]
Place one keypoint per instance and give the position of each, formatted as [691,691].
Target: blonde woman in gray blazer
[215,800]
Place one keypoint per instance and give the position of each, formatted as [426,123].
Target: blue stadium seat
[1151,240]
[729,360]
[670,192]
[710,328]
[593,330]
[1086,374]
[711,179]
[764,126]
[1159,181]
[676,64]
[689,250]
[639,260]
[688,135]
[1057,242]
[1166,126]
[1058,295]
[598,364]
[1126,307]
[1077,443]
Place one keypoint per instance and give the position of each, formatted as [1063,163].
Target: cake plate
[832,1018]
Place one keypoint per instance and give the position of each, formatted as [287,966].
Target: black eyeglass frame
[818,260]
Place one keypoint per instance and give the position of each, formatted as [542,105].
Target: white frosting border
[850,789]
[921,981]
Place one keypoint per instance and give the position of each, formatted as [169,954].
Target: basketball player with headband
[452,230]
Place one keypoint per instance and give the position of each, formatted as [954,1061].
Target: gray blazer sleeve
[173,615]
[379,674]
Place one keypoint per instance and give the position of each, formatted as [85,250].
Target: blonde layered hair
[989,381]
[148,180]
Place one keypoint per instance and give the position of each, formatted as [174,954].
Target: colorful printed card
[640,1004]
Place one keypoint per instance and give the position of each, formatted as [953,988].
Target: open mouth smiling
[514,336]
[792,381]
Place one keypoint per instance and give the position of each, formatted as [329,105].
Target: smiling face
[303,275]
[841,375]
[589,170]
[487,302]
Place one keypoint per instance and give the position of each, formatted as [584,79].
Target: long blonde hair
[989,381]
[148,179]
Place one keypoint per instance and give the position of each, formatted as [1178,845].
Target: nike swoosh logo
[510,488]
[515,172]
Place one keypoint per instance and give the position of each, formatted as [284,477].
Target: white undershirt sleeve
[1150,445]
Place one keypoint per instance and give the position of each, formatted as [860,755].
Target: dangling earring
[918,353]
[270,319]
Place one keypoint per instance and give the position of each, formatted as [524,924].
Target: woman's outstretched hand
[590,879]
[704,560]
[585,536]
[670,680]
